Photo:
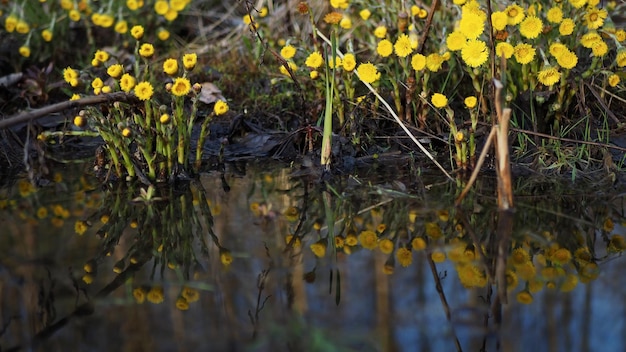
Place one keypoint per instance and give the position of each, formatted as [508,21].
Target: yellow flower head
[226,257]
[220,108]
[515,14]
[146,50]
[499,20]
[319,248]
[402,47]
[531,27]
[368,239]
[434,62]
[349,62]
[24,51]
[115,70]
[127,82]
[143,90]
[524,297]
[599,48]
[46,34]
[101,55]
[314,60]
[380,32]
[620,59]
[365,14]
[475,53]
[181,86]
[155,295]
[170,66]
[333,17]
[384,48]
[471,25]
[121,27]
[567,27]
[470,102]
[137,32]
[69,74]
[555,15]
[439,101]
[189,61]
[345,23]
[524,53]
[22,27]
[404,256]
[578,3]
[418,62]
[287,52]
[368,73]
[97,83]
[163,34]
[386,246]
[549,76]
[588,40]
[161,7]
[339,4]
[613,80]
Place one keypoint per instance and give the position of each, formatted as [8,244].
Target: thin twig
[65,105]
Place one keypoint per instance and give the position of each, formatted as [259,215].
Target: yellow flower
[22,27]
[115,70]
[106,20]
[143,90]
[333,17]
[439,101]
[127,82]
[556,49]
[470,102]
[511,279]
[46,34]
[165,119]
[97,83]
[190,294]
[189,61]
[599,48]
[161,7]
[121,27]
[127,132]
[524,53]
[182,304]
[80,227]
[380,32]
[471,25]
[613,80]
[384,48]
[225,257]
[620,59]
[139,294]
[418,62]
[101,55]
[456,41]
[264,11]
[567,59]
[163,34]
[365,14]
[434,62]
[368,73]
[137,32]
[220,107]
[247,19]
[146,50]
[561,256]
[288,52]
[402,47]
[349,62]
[578,3]
[549,76]
[10,23]
[170,66]
[470,275]
[531,27]
[620,35]
[404,256]
[567,27]
[171,15]
[589,39]
[438,257]
[181,86]
[368,239]
[314,60]
[291,214]
[515,14]
[319,248]
[42,212]
[291,65]
[499,20]
[475,53]
[386,246]
[339,4]
[24,51]
[345,23]
[555,15]
[524,297]
[155,295]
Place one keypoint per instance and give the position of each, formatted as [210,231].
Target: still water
[256,259]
